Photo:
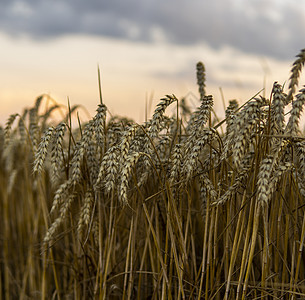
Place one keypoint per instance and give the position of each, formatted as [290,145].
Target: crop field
[183,206]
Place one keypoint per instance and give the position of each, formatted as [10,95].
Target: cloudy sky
[145,49]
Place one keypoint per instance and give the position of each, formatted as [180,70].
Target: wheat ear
[42,150]
[295,74]
[292,127]
[131,160]
[201,79]
[57,151]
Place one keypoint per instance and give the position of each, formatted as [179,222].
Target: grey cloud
[264,27]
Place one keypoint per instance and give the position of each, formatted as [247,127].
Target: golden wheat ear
[295,75]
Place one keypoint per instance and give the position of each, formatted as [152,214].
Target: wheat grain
[138,143]
[85,212]
[201,79]
[278,172]
[38,102]
[244,125]
[300,154]
[42,150]
[176,163]
[51,231]
[207,184]
[230,132]
[204,111]
[108,169]
[95,231]
[201,117]
[61,193]
[8,126]
[125,143]
[76,162]
[89,145]
[88,134]
[99,124]
[295,74]
[21,128]
[190,162]
[112,168]
[33,128]
[270,173]
[292,127]
[197,130]
[264,176]
[231,115]
[158,114]
[62,217]
[82,147]
[163,147]
[131,160]
[114,134]
[277,113]
[57,152]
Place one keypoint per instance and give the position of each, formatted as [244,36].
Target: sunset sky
[145,49]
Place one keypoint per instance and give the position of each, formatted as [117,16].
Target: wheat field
[183,206]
